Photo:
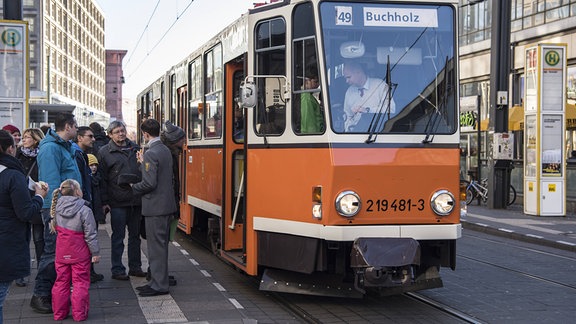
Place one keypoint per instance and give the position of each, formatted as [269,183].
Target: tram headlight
[348,203]
[442,202]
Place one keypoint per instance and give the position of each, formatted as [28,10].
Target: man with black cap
[173,137]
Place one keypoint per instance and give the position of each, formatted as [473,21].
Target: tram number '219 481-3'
[401,205]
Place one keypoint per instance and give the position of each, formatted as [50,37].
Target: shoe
[94,277]
[149,292]
[120,276]
[137,273]
[41,304]
[145,287]
[20,282]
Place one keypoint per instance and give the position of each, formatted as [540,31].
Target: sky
[153,45]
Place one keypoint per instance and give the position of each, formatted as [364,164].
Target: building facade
[114,81]
[532,22]
[67,59]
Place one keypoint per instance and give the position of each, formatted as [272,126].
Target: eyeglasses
[89,135]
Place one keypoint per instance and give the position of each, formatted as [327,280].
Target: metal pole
[48,95]
[499,180]
[479,142]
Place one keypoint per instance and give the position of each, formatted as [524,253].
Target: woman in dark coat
[17,210]
[26,154]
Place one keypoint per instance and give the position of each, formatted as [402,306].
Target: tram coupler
[384,262]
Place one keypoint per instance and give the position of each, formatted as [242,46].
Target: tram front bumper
[384,262]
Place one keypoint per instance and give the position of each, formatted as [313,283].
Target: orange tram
[288,179]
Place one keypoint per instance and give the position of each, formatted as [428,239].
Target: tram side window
[157,108]
[213,95]
[163,113]
[271,60]
[307,109]
[147,104]
[173,97]
[195,104]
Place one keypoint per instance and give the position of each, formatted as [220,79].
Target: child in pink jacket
[76,247]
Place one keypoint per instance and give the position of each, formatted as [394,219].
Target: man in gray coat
[158,206]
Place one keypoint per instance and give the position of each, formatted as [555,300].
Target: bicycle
[479,189]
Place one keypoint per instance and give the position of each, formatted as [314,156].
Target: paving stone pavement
[197,299]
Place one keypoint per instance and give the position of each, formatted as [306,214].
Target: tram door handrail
[237,205]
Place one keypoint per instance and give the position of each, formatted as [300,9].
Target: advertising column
[544,120]
[14,73]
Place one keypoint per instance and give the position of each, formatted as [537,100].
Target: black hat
[173,133]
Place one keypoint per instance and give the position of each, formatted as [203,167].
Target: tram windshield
[390,68]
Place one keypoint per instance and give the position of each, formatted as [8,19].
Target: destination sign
[400,17]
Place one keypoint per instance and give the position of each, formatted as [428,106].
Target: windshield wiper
[433,122]
[429,137]
[378,120]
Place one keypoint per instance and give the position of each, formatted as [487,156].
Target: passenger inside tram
[311,110]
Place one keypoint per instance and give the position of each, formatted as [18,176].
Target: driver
[364,96]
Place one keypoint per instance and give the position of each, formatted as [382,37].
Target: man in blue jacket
[56,163]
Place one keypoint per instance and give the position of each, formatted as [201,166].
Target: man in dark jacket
[158,205]
[119,166]
[17,210]
[83,144]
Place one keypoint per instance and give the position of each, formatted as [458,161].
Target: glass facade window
[475,21]
[475,17]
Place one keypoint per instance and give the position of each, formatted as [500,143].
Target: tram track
[444,308]
[293,308]
[521,272]
[254,282]
[497,257]
[319,309]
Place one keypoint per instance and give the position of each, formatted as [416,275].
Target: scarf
[29,152]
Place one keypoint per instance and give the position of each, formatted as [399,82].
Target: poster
[551,147]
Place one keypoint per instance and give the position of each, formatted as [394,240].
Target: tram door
[180,120]
[233,217]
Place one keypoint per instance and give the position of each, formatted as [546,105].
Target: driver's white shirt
[374,97]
